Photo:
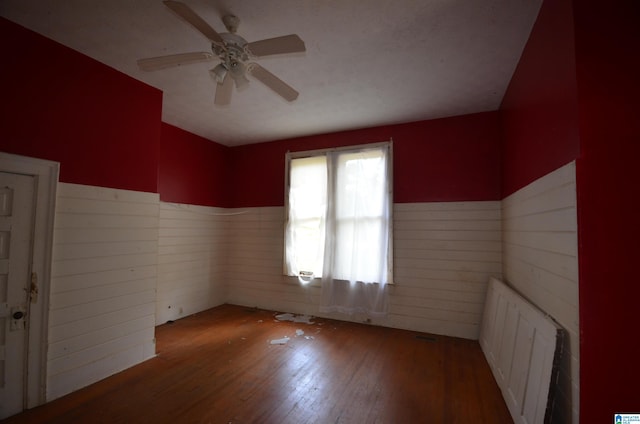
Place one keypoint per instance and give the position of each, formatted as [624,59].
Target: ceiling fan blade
[279,45]
[161,62]
[194,19]
[223,91]
[273,82]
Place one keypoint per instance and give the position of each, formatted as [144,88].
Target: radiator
[519,342]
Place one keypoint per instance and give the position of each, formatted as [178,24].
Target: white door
[16,227]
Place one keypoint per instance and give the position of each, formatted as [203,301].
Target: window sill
[316,282]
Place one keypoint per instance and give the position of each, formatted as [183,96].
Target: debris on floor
[295,318]
[299,332]
[281,341]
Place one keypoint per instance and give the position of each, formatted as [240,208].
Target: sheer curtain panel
[342,233]
[305,226]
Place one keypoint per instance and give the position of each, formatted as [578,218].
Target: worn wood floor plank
[219,367]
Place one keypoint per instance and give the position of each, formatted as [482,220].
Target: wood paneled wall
[102,306]
[444,255]
[192,254]
[115,248]
[541,262]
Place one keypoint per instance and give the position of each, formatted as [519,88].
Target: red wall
[574,97]
[608,66]
[540,115]
[101,125]
[193,169]
[105,129]
[452,159]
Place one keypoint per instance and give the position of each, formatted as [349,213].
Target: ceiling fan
[234,53]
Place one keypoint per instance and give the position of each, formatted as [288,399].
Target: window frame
[351,148]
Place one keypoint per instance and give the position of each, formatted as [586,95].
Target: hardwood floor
[218,366]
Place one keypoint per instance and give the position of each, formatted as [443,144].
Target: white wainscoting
[104,272]
[444,255]
[114,248]
[541,262]
[192,256]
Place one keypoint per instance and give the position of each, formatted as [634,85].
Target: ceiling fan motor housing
[233,50]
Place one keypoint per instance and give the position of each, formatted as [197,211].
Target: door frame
[45,174]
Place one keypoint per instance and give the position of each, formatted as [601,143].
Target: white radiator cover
[519,342]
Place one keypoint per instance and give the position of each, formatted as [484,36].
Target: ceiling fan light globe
[241,81]
[237,69]
[219,72]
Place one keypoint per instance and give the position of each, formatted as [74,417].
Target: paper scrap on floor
[281,341]
[295,318]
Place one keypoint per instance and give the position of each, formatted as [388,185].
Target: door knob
[18,318]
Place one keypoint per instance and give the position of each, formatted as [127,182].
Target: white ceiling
[368,62]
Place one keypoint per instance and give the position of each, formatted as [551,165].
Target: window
[307,207]
[339,215]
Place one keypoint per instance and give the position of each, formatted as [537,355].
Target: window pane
[360,184]
[307,208]
[361,216]
[339,209]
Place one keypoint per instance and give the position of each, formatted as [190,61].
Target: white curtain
[356,257]
[305,229]
[338,227]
